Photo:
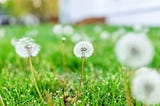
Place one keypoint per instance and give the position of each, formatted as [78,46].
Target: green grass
[102,82]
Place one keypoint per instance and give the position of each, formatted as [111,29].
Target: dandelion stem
[146,105]
[2,103]
[49,99]
[128,97]
[81,76]
[64,97]
[34,80]
[63,56]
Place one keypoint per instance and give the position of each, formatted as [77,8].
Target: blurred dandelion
[140,28]
[117,34]
[104,35]
[68,30]
[146,86]
[29,20]
[83,50]
[97,29]
[63,30]
[27,48]
[58,29]
[32,33]
[76,38]
[134,50]
[2,33]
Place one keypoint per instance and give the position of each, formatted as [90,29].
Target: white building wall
[75,10]
[125,12]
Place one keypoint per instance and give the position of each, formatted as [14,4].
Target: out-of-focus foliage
[42,8]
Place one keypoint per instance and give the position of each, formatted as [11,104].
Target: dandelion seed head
[146,85]
[83,49]
[26,47]
[134,50]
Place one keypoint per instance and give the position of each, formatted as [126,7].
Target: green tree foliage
[42,8]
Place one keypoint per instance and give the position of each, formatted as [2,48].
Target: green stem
[63,56]
[2,103]
[81,76]
[49,99]
[34,80]
[127,94]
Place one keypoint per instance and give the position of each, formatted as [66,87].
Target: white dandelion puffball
[134,50]
[104,35]
[68,30]
[83,49]
[26,47]
[146,86]
[58,29]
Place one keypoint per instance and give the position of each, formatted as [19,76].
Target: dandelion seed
[26,47]
[146,85]
[83,49]
[134,50]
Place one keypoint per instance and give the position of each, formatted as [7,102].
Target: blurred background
[114,12]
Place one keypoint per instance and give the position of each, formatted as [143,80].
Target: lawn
[102,81]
